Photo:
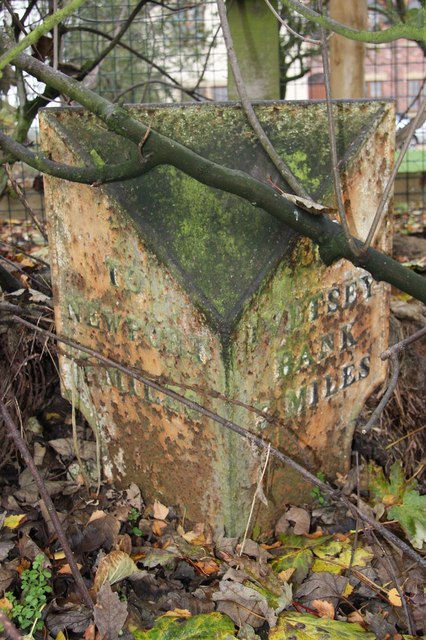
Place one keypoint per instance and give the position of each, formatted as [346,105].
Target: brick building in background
[395,70]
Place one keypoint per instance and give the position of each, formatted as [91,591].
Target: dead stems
[392,355]
[23,449]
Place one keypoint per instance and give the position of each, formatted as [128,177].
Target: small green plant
[133,518]
[35,587]
[316,492]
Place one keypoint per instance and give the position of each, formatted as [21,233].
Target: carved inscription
[320,355]
[331,360]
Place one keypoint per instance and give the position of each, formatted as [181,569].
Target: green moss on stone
[220,247]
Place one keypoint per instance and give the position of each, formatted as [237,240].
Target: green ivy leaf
[411,515]
[210,626]
[298,559]
[298,554]
[402,500]
[384,490]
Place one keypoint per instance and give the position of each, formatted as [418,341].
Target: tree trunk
[254,32]
[347,56]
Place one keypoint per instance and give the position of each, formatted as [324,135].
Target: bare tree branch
[327,233]
[392,355]
[116,38]
[136,53]
[287,26]
[35,35]
[86,175]
[386,396]
[399,346]
[395,32]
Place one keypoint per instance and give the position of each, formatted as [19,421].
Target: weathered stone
[204,289]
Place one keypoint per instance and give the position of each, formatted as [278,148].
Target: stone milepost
[203,289]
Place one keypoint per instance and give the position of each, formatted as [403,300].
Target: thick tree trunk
[347,56]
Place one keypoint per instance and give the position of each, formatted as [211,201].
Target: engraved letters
[325,365]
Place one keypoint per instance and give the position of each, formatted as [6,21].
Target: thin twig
[23,449]
[389,565]
[386,396]
[401,134]
[399,346]
[116,38]
[206,59]
[244,433]
[287,26]
[392,355]
[21,197]
[404,437]
[47,289]
[333,148]
[16,249]
[136,53]
[259,489]
[268,147]
[148,82]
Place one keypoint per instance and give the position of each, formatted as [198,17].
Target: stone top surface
[219,247]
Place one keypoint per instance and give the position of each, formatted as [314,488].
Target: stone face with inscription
[205,292]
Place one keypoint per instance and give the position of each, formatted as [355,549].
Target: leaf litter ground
[318,575]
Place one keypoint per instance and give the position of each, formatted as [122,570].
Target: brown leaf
[101,531]
[5,547]
[357,617]
[320,586]
[243,605]
[110,613]
[178,613]
[124,543]
[300,518]
[43,48]
[65,569]
[160,511]
[325,609]
[285,575]
[71,617]
[90,633]
[207,567]
[200,535]
[158,527]
[316,534]
[134,497]
[304,203]
[65,448]
[394,598]
[116,566]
